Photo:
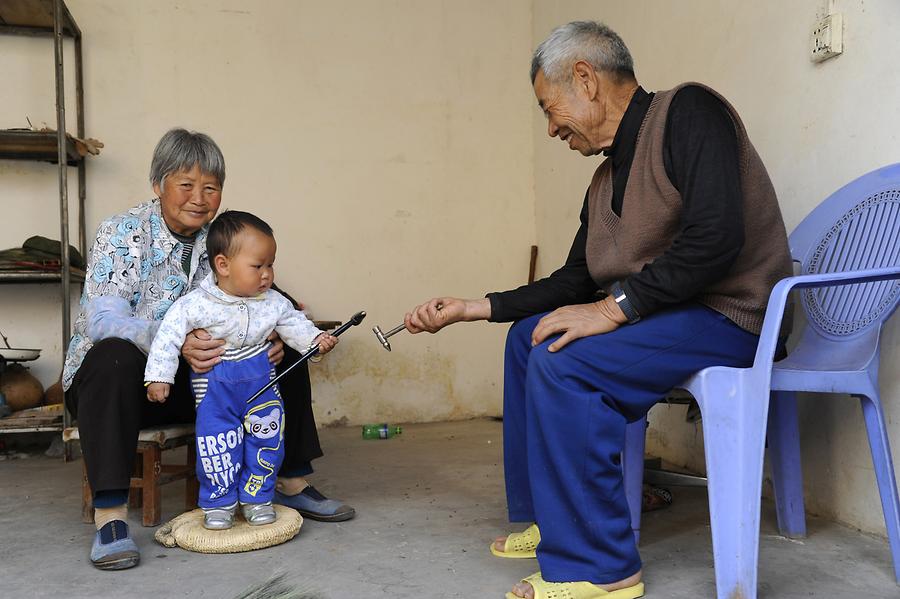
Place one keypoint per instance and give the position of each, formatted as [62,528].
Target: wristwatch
[624,304]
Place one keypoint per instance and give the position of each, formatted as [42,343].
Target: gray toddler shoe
[257,514]
[221,518]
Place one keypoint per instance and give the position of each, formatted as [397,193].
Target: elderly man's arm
[702,162]
[570,284]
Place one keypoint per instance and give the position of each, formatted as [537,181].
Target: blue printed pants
[564,418]
[240,445]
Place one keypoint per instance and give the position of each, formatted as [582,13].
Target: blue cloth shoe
[113,547]
[312,504]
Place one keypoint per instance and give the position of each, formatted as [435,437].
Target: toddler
[239,444]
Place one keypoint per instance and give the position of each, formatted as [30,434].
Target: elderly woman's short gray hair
[593,42]
[180,150]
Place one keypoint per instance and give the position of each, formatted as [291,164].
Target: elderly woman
[142,260]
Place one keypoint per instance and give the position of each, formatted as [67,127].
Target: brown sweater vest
[651,213]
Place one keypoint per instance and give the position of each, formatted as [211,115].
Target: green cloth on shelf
[39,253]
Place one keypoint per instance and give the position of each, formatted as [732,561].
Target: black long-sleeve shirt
[701,161]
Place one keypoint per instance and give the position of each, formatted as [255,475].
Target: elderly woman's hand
[201,351]
[437,313]
[575,322]
[276,352]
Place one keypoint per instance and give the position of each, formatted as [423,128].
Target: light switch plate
[826,39]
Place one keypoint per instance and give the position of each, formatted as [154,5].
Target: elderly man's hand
[575,322]
[201,351]
[437,313]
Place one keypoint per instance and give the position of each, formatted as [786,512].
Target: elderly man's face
[189,199]
[573,114]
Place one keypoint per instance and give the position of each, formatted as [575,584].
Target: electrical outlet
[826,39]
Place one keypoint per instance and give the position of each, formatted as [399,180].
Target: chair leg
[734,428]
[152,512]
[633,471]
[884,474]
[191,484]
[784,456]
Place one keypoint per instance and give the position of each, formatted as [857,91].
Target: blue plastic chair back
[854,235]
[856,228]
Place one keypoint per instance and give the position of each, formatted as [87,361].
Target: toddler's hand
[158,392]
[326,343]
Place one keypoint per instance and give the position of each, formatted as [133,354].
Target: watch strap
[621,298]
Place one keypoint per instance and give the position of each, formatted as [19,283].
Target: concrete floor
[428,503]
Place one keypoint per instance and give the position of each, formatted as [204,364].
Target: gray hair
[591,41]
[181,150]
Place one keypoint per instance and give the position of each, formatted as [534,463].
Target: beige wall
[388,143]
[816,127]
[396,149]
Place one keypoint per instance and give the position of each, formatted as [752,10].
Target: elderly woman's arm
[112,283]
[111,317]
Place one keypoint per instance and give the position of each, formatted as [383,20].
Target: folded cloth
[39,253]
[40,244]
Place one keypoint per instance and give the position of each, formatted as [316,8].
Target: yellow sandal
[576,590]
[520,545]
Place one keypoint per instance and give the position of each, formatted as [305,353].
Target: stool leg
[152,512]
[87,497]
[191,484]
[135,497]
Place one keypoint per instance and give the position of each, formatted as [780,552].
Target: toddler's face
[251,271]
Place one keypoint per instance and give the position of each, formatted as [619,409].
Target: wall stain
[359,381]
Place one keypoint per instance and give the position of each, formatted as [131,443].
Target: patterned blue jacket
[134,275]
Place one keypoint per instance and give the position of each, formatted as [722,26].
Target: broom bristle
[278,587]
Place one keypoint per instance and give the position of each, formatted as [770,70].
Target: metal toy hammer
[383,337]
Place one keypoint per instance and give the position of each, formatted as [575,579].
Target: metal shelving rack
[43,18]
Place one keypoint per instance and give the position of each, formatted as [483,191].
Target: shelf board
[38,276]
[34,17]
[35,145]
[8,425]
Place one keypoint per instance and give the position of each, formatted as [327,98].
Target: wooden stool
[150,473]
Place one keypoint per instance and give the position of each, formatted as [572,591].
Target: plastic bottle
[380,431]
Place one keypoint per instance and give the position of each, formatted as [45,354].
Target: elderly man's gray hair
[593,42]
[180,150]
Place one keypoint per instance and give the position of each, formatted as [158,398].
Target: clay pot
[54,394]
[21,389]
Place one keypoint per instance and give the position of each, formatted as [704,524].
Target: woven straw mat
[186,531]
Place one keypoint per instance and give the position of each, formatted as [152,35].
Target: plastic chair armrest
[768,338]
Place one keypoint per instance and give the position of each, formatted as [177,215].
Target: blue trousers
[240,445]
[564,417]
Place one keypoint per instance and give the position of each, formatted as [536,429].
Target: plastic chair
[849,251]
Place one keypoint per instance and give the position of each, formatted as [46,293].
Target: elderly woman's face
[189,199]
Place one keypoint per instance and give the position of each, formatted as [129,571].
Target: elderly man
[681,241]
